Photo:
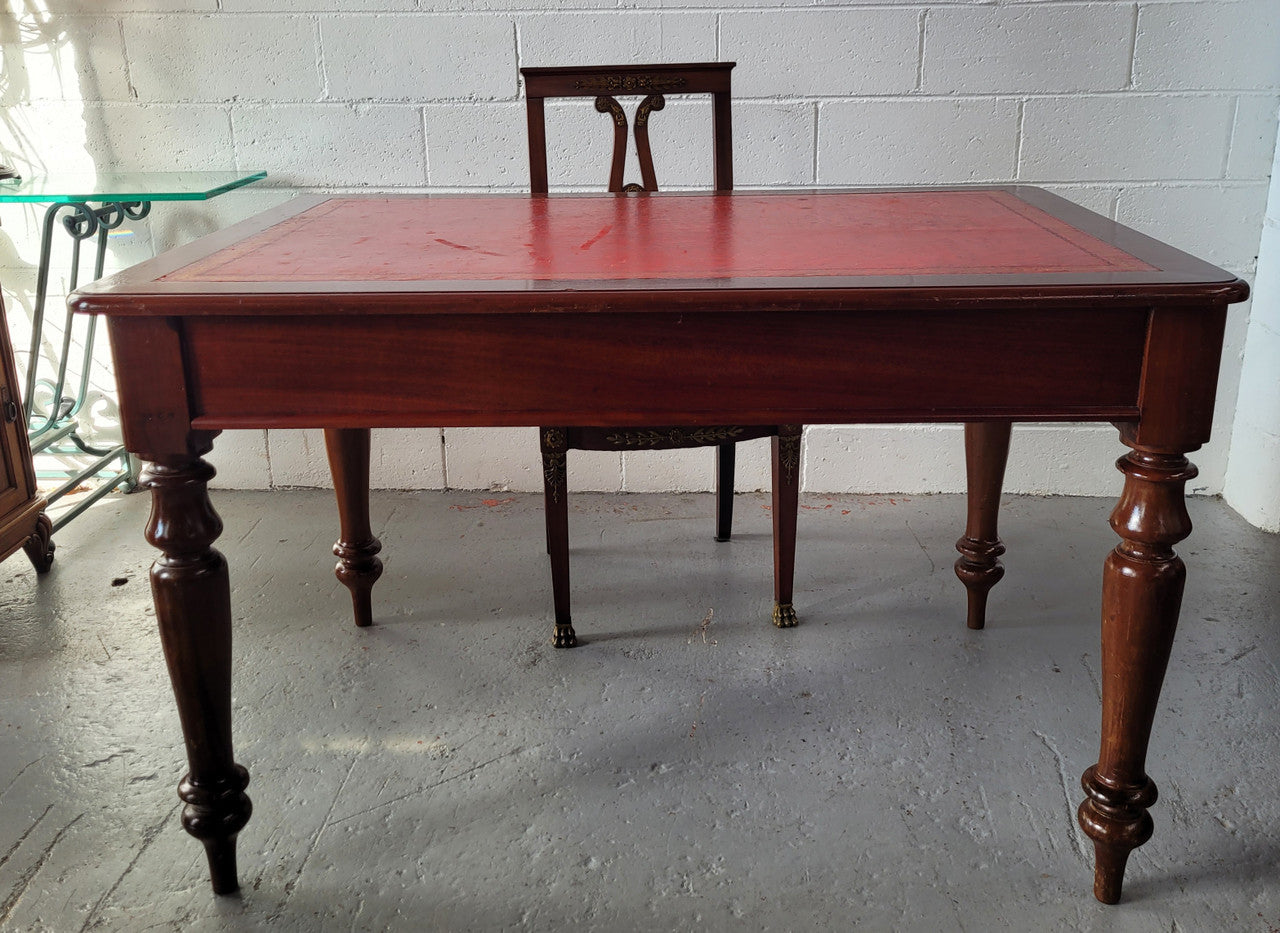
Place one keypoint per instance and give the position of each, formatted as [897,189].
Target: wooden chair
[653,83]
[986,444]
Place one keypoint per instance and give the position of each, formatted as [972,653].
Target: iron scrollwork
[54,428]
[83,222]
[80,221]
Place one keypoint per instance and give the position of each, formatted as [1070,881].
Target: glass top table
[81,187]
[88,205]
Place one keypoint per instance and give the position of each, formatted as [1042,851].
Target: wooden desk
[991,305]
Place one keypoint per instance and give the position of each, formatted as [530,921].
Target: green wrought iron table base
[88,207]
[55,432]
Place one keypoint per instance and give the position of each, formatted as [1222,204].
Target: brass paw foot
[784,615]
[564,636]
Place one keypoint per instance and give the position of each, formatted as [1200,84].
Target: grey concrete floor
[688,767]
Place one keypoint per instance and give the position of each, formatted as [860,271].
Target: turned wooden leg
[786,506]
[193,607]
[555,485]
[357,549]
[986,450]
[1141,595]
[726,455]
[39,546]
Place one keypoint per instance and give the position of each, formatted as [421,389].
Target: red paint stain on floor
[488,503]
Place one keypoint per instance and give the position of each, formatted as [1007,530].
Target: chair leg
[358,564]
[726,454]
[555,486]
[786,505]
[986,451]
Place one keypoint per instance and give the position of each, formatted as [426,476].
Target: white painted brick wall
[938,141]
[1194,46]
[221,58]
[162,137]
[823,53]
[1134,137]
[334,144]
[468,148]
[401,57]
[1220,223]
[1160,114]
[595,37]
[1253,134]
[1252,478]
[1010,49]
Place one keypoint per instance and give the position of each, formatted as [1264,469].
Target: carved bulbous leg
[786,505]
[555,486]
[39,546]
[359,566]
[193,607]
[1141,596]
[986,451]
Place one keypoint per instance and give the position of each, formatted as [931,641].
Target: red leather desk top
[610,238]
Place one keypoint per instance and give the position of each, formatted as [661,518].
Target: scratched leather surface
[665,237]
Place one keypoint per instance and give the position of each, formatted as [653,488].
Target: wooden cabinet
[23,523]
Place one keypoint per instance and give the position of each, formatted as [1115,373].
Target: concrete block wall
[1162,115]
[1253,470]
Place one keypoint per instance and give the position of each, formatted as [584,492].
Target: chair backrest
[653,81]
